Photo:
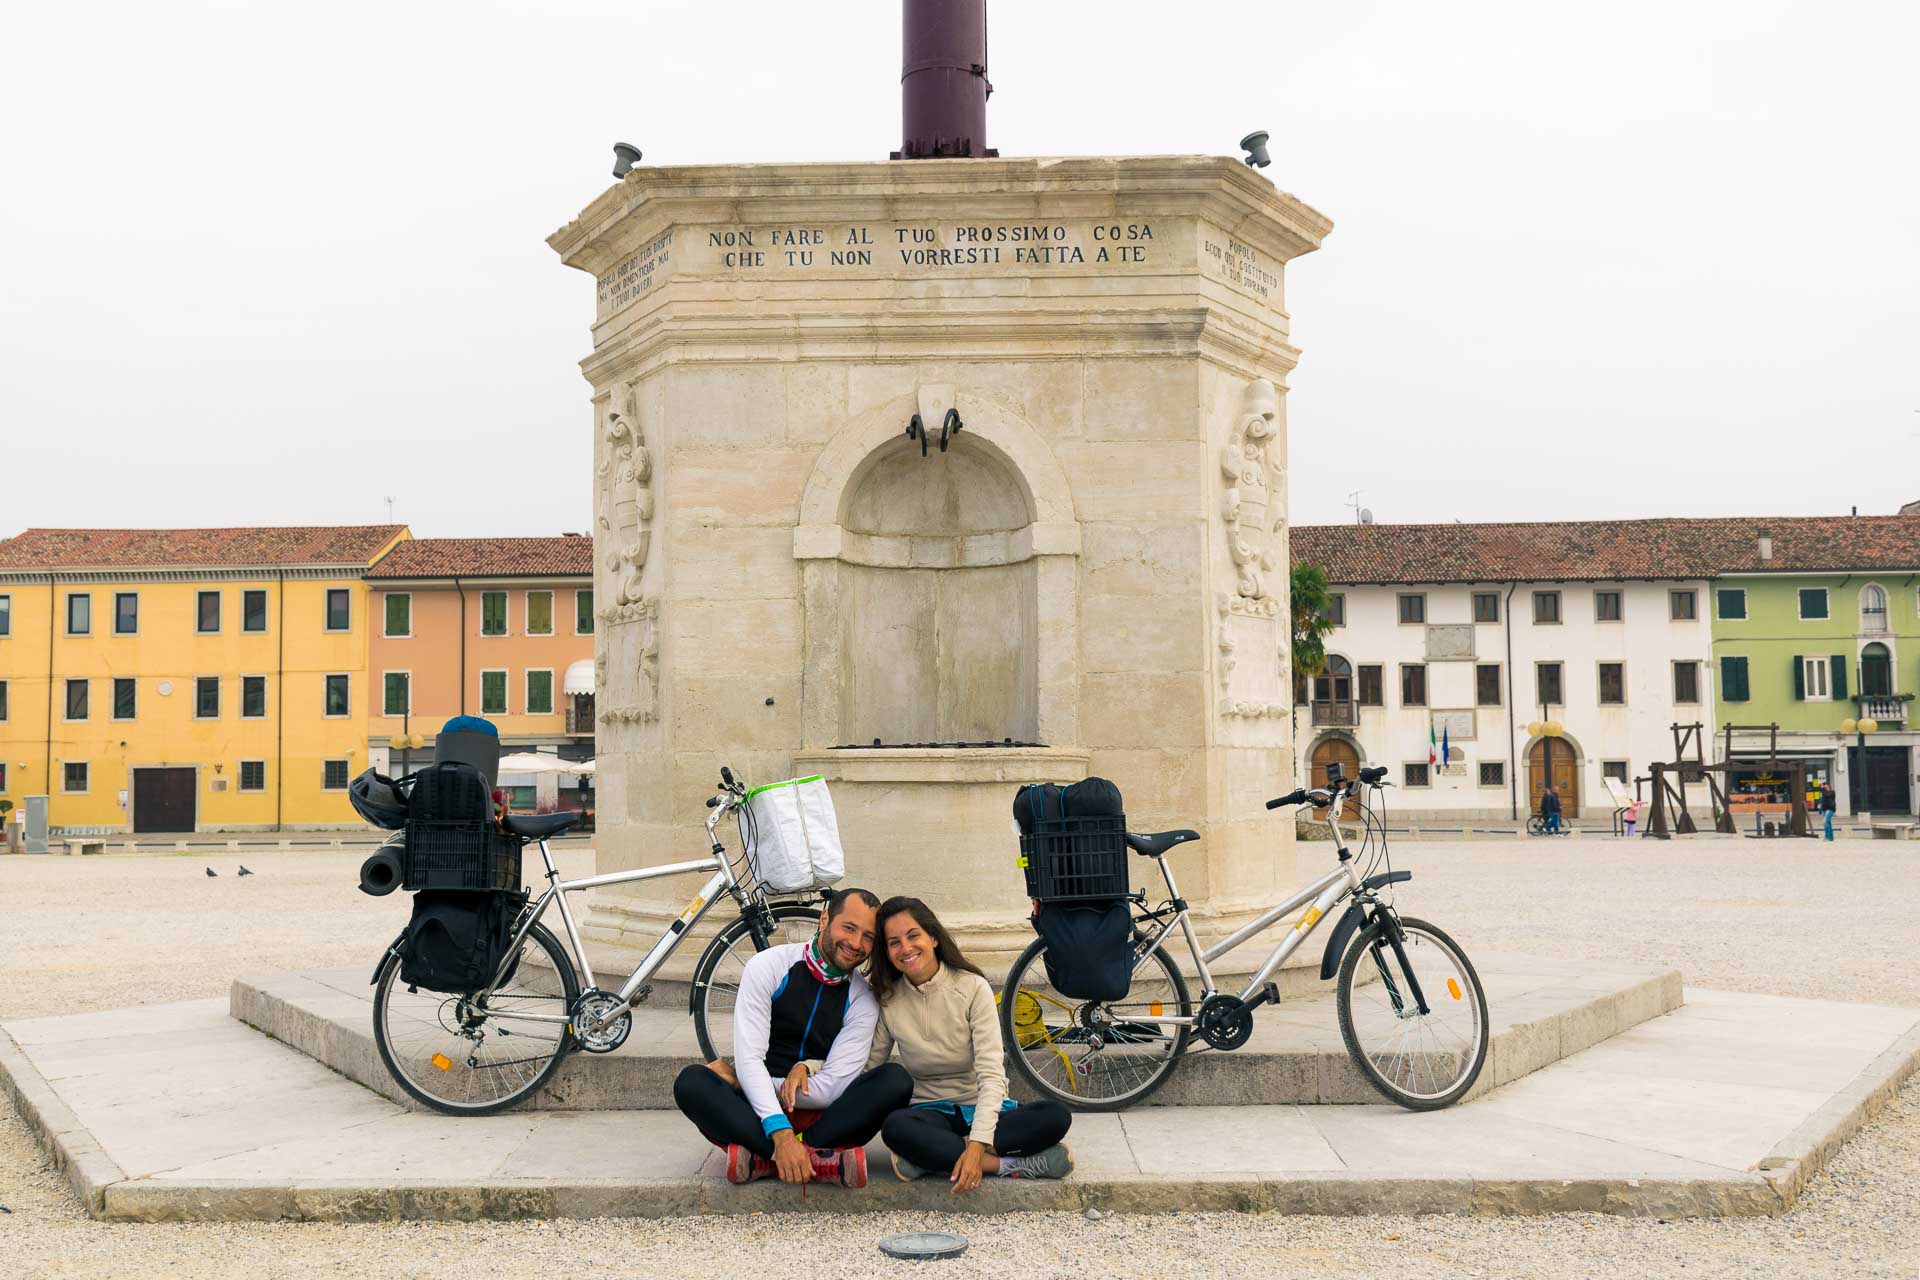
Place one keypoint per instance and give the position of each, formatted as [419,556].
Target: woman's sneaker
[905,1169]
[1055,1162]
[846,1165]
[743,1166]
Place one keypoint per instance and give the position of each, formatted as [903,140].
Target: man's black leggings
[935,1139]
[723,1114]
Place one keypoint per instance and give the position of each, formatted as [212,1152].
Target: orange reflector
[442,1061]
[1154,1008]
[1453,988]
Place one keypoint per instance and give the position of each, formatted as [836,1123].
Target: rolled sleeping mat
[381,873]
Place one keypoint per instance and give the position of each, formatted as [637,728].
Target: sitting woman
[937,1009]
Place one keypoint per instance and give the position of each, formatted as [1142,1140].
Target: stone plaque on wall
[1449,642]
[1456,725]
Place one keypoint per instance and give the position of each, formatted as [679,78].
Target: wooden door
[1566,776]
[163,799]
[1336,751]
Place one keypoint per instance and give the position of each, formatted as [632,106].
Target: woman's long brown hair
[883,974]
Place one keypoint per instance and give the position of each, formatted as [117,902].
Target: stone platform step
[1726,1106]
[1541,1010]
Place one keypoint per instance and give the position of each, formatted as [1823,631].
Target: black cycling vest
[807,1015]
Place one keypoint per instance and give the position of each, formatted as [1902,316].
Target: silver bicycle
[1418,1033]
[478,1052]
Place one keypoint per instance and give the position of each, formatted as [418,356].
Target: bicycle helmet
[376,799]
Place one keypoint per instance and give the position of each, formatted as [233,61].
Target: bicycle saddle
[539,826]
[1154,845]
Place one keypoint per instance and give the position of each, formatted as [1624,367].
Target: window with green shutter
[399,613]
[583,613]
[1839,676]
[1732,603]
[1733,676]
[395,699]
[493,693]
[539,613]
[539,693]
[1813,603]
[493,613]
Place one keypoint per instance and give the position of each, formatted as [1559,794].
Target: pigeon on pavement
[245,872]
[212,872]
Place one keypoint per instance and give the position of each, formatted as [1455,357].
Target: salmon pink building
[494,627]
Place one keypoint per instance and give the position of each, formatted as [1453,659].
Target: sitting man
[805,1018]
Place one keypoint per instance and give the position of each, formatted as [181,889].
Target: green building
[1816,627]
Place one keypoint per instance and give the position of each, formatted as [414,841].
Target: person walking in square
[1550,809]
[1827,805]
[937,1010]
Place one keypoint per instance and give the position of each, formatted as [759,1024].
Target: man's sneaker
[1055,1162]
[905,1169]
[743,1166]
[845,1165]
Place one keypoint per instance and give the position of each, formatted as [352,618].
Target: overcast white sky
[262,263]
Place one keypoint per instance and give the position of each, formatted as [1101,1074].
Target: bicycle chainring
[1224,1023]
[596,1004]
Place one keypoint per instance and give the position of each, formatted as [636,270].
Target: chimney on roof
[1910,508]
[1766,544]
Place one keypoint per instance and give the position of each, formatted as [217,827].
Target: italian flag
[1433,753]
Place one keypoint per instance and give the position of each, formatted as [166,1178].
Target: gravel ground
[1799,919]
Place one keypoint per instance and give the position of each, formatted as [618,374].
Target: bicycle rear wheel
[1423,1061]
[1094,1055]
[468,1059]
[716,979]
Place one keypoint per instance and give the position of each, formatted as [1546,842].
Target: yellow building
[186,679]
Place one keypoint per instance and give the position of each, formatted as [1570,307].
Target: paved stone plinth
[1542,1011]
[1725,1106]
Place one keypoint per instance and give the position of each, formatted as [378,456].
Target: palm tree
[1312,606]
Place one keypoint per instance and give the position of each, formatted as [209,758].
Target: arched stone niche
[941,591]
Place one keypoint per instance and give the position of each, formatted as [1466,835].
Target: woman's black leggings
[935,1138]
[723,1114]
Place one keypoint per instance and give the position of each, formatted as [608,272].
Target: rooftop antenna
[1353,500]
[389,510]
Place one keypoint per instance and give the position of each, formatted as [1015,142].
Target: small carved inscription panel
[635,275]
[1240,265]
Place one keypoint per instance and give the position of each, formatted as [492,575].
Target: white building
[1465,634]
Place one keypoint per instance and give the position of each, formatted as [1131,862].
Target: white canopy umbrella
[536,762]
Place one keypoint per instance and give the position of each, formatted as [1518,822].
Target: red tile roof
[566,557]
[195,548]
[1590,550]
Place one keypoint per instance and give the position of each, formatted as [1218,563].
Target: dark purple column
[943,79]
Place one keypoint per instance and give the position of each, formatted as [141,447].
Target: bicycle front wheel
[1094,1055]
[716,979]
[467,1057]
[1423,1061]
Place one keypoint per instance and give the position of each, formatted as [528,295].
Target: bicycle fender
[391,948]
[1337,942]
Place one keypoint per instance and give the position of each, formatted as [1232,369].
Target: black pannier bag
[1089,951]
[1073,848]
[456,939]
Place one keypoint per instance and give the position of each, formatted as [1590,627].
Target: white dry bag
[794,840]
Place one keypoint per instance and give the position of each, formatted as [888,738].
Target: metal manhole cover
[923,1246]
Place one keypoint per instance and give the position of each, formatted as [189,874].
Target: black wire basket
[460,854]
[1076,859]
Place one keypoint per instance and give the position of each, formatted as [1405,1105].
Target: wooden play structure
[1669,780]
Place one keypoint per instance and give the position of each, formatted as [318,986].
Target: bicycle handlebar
[1295,796]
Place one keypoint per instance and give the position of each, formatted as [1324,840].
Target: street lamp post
[1861,728]
[1546,730]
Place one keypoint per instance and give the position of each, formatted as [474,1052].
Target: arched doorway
[1566,775]
[1331,750]
[1876,671]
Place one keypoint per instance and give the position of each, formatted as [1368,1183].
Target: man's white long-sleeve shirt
[783,1015]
